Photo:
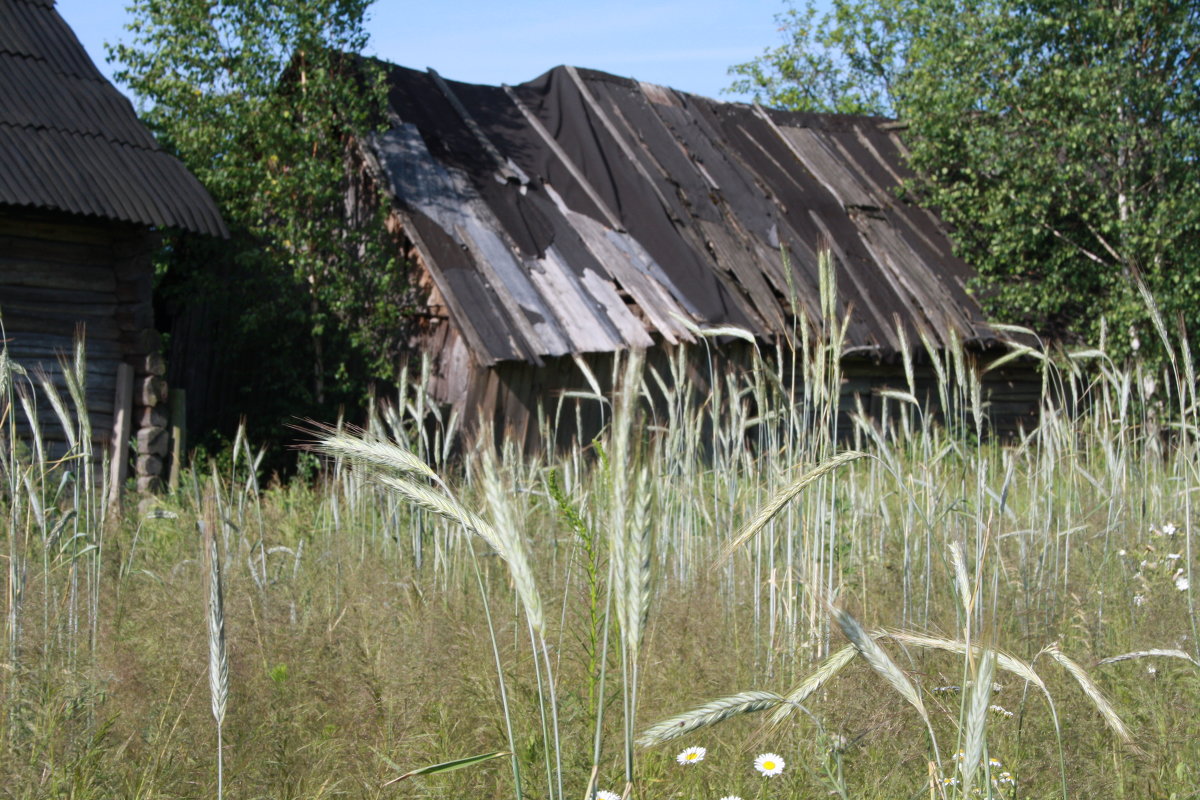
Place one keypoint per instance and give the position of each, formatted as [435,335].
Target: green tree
[261,99]
[1058,139]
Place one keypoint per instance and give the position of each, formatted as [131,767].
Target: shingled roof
[583,212]
[69,141]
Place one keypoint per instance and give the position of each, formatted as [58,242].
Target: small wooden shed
[582,213]
[83,189]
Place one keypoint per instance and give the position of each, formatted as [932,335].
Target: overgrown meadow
[718,597]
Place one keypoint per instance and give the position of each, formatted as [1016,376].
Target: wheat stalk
[709,714]
[977,706]
[1091,690]
[1004,661]
[781,499]
[819,677]
[511,548]
[362,451]
[637,568]
[218,657]
[1149,654]
[879,660]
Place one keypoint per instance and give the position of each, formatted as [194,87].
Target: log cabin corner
[84,189]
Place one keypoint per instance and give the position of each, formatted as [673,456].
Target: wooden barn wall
[60,274]
[515,396]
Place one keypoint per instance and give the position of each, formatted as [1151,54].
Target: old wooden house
[83,189]
[581,213]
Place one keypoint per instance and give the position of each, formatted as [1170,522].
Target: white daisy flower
[1181,583]
[1139,599]
[1005,777]
[691,755]
[1169,529]
[1174,556]
[731,797]
[994,763]
[769,764]
[604,794]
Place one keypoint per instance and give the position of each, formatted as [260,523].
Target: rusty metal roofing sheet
[583,212]
[69,141]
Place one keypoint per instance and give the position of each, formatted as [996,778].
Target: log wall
[60,274]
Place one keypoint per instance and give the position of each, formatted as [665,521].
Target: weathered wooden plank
[586,326]
[58,227]
[739,261]
[24,345]
[828,169]
[23,248]
[930,297]
[635,270]
[40,294]
[18,325]
[631,330]
[494,258]
[33,272]
[60,309]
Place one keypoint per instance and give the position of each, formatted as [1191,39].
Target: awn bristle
[709,714]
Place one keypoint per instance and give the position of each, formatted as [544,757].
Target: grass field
[916,612]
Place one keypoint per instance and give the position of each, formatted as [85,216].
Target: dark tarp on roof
[582,212]
[69,141]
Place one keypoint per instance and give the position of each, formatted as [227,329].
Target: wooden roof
[69,141]
[582,212]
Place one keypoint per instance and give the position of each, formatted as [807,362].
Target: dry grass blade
[879,660]
[781,499]
[1154,653]
[708,714]
[1091,690]
[1003,660]
[820,676]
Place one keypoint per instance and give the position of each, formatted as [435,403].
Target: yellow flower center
[768,765]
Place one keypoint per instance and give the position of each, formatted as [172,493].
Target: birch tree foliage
[1058,139]
[261,99]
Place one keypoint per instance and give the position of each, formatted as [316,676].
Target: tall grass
[867,565]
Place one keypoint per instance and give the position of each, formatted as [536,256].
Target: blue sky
[686,44]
